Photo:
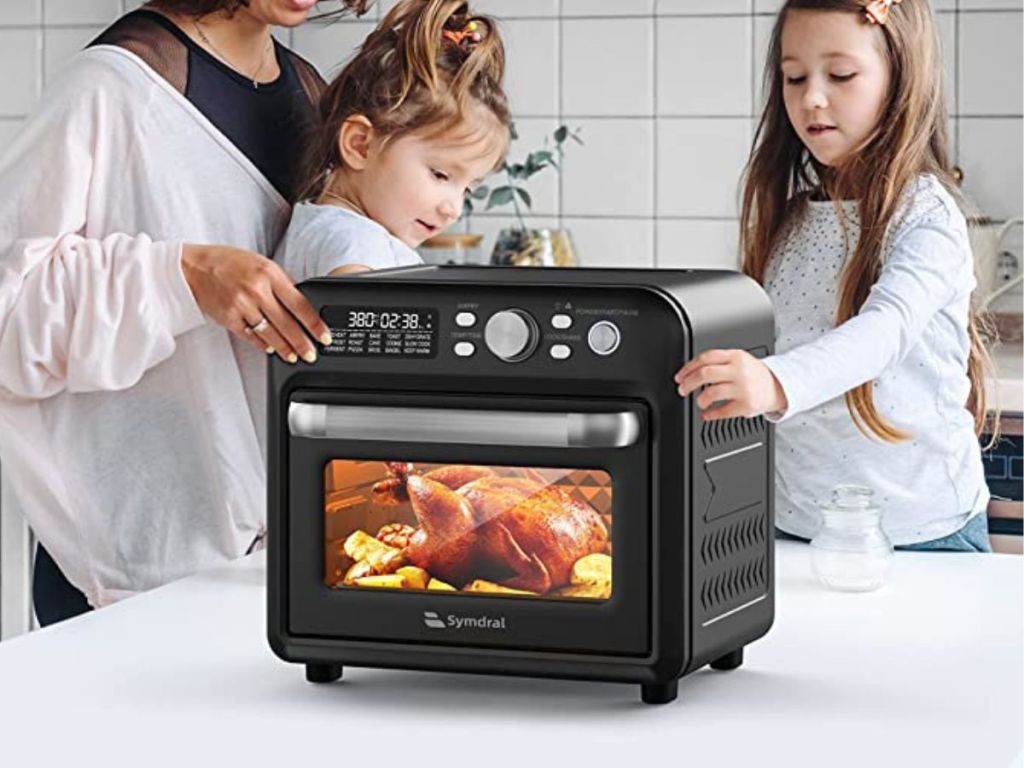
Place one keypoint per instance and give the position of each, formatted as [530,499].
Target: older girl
[850,222]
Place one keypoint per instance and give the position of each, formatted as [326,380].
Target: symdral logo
[434,621]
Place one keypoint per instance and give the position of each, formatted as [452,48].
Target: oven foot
[729,661]
[323,673]
[659,693]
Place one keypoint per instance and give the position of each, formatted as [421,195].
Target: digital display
[405,321]
[382,331]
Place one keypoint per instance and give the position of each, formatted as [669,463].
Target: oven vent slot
[732,539]
[736,586]
[714,434]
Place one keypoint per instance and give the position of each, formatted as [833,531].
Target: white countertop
[927,671]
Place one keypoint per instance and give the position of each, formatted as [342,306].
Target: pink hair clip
[877,11]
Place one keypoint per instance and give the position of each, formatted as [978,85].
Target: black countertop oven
[490,470]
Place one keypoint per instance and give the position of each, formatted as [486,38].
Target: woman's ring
[260,327]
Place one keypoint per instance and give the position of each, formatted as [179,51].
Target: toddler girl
[413,122]
[850,222]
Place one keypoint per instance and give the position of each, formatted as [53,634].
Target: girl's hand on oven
[735,383]
[253,298]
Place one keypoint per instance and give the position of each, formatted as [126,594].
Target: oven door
[472,521]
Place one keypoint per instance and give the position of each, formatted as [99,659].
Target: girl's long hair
[410,76]
[910,140]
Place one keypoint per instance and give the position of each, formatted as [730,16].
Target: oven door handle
[475,427]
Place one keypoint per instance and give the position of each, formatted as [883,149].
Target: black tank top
[268,124]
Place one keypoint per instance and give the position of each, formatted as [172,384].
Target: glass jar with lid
[851,552]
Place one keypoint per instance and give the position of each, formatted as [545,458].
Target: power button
[604,337]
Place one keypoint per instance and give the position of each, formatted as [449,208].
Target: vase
[534,248]
[452,248]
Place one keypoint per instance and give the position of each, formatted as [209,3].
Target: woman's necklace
[354,207]
[209,43]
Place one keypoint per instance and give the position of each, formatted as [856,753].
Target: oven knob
[511,335]
[604,337]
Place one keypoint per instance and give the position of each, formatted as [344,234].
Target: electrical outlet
[1007,268]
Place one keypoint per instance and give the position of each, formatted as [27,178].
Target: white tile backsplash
[613,174]
[699,165]
[512,9]
[698,244]
[608,67]
[611,242]
[329,46]
[988,5]
[607,8]
[703,7]
[991,156]
[80,11]
[991,61]
[21,12]
[698,77]
[531,69]
[20,51]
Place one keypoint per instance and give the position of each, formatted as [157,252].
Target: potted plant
[522,245]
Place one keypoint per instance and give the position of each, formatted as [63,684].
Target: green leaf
[467,206]
[517,171]
[480,192]
[560,133]
[524,196]
[500,196]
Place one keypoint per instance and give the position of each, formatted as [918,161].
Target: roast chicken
[473,523]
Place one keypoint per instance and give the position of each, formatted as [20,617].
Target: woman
[131,348]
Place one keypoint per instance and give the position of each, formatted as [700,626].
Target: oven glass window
[532,532]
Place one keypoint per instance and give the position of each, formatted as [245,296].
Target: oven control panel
[498,329]
[515,334]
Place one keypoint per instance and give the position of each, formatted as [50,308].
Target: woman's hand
[740,383]
[239,289]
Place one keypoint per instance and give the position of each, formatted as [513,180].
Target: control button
[511,335]
[465,319]
[561,351]
[465,349]
[561,322]
[604,337]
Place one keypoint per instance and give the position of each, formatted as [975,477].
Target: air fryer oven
[490,470]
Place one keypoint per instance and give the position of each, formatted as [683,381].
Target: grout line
[560,42]
[42,50]
[655,75]
[956,81]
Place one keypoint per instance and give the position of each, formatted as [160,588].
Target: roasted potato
[358,570]
[387,580]
[415,578]
[592,569]
[481,585]
[382,559]
[600,591]
[440,586]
